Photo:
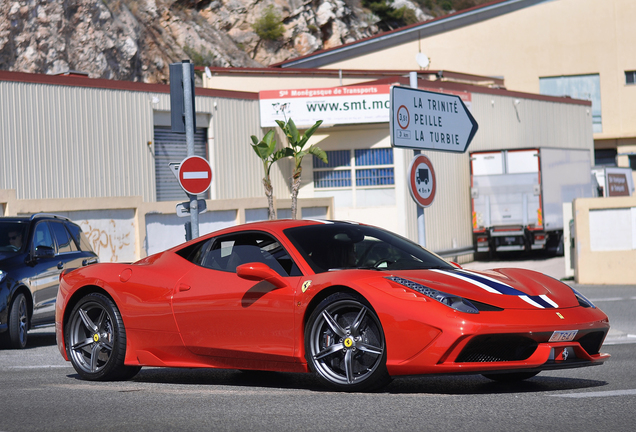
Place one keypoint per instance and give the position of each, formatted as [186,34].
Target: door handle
[90,261]
[60,265]
[184,287]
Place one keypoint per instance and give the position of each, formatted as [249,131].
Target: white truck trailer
[517,196]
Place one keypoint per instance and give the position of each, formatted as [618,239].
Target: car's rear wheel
[16,335]
[96,340]
[344,344]
[510,377]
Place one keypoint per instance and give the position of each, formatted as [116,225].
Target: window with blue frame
[369,167]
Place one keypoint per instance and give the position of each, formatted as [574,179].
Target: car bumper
[506,341]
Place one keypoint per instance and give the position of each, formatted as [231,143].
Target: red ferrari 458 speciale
[352,303]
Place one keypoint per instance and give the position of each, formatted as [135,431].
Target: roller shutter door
[171,147]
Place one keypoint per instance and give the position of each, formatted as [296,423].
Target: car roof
[35,216]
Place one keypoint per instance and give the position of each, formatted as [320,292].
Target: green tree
[266,151]
[296,143]
[270,25]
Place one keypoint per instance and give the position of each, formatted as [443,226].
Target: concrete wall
[605,240]
[126,229]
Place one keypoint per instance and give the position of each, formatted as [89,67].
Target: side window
[228,252]
[80,239]
[62,237]
[42,236]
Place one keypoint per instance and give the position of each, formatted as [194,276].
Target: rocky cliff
[137,39]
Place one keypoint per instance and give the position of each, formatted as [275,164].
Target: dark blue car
[34,250]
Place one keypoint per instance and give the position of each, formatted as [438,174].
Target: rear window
[80,238]
[64,241]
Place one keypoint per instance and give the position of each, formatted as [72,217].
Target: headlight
[3,275]
[450,300]
[583,301]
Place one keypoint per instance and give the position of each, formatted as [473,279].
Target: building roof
[408,33]
[75,80]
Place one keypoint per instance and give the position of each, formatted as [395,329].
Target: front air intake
[497,348]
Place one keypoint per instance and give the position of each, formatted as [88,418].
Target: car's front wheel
[344,344]
[96,340]
[18,322]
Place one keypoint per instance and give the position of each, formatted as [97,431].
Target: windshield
[12,237]
[345,246]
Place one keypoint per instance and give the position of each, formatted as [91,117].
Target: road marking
[38,367]
[608,299]
[607,393]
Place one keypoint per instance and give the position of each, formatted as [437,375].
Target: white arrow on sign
[426,120]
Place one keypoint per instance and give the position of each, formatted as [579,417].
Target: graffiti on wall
[112,240]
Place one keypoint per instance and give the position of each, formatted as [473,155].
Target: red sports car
[353,304]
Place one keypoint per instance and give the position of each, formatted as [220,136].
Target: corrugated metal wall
[73,142]
[68,142]
[237,172]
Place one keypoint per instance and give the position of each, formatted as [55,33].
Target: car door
[224,316]
[44,281]
[67,256]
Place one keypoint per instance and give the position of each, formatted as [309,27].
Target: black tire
[510,377]
[16,335]
[96,340]
[345,346]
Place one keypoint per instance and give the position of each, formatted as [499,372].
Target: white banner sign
[334,105]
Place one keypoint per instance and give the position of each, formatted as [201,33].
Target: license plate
[510,239]
[563,336]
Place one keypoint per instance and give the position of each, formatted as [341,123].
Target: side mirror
[43,252]
[455,264]
[260,272]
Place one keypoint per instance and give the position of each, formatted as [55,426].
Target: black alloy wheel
[344,344]
[16,335]
[96,340]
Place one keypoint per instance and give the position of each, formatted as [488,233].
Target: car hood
[508,288]
[10,259]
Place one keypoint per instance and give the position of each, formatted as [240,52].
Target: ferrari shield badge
[305,285]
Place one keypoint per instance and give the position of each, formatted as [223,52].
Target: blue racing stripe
[540,301]
[502,288]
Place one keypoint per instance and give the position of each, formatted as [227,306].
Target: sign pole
[188,97]
[421,226]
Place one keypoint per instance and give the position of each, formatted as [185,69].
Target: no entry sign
[422,182]
[195,175]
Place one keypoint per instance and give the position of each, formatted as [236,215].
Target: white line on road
[598,394]
[38,367]
[608,299]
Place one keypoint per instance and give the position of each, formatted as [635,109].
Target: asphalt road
[41,392]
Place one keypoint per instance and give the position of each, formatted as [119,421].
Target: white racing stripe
[607,393]
[548,300]
[486,277]
[469,280]
[530,301]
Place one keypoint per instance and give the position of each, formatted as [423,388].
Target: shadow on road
[440,385]
[41,338]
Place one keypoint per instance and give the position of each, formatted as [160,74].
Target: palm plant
[266,151]
[296,143]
